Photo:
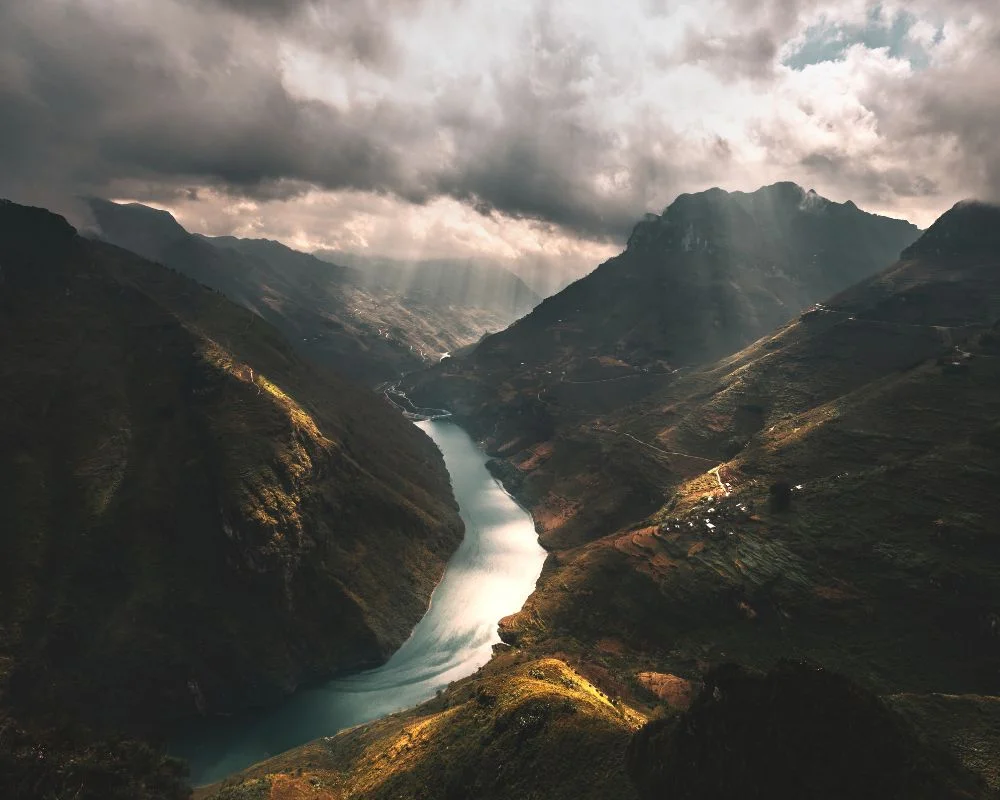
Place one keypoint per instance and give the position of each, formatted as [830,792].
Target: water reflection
[489,576]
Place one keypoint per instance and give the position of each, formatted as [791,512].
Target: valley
[528,401]
[815,507]
[197,520]
[822,495]
[489,576]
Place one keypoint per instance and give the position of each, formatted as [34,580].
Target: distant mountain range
[334,314]
[463,283]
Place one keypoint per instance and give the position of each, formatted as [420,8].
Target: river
[489,576]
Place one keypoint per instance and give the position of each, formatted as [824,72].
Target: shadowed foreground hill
[795,732]
[194,519]
[333,314]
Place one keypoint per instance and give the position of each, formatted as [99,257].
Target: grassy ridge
[520,728]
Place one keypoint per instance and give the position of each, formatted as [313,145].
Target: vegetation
[528,729]
[824,494]
[877,410]
[797,731]
[196,520]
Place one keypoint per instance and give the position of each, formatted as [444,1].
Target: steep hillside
[710,275]
[330,313]
[826,493]
[437,282]
[518,729]
[878,411]
[715,272]
[195,519]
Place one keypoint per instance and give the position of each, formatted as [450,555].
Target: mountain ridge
[823,494]
[328,312]
[716,271]
[196,519]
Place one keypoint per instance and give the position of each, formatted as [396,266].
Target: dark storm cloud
[964,109]
[96,105]
[750,50]
[551,156]
[354,28]
[157,101]
[872,185]
[104,105]
[751,54]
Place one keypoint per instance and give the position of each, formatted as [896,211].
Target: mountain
[330,313]
[195,518]
[444,282]
[825,494]
[874,416]
[713,273]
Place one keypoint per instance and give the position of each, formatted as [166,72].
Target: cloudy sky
[529,131]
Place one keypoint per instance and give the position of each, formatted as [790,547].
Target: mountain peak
[968,228]
[715,216]
[788,189]
[135,226]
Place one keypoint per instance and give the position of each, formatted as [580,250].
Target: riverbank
[489,577]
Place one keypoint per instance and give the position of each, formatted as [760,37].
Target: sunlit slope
[524,729]
[529,727]
[331,313]
[880,413]
[195,519]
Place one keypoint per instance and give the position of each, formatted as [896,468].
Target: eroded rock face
[796,731]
